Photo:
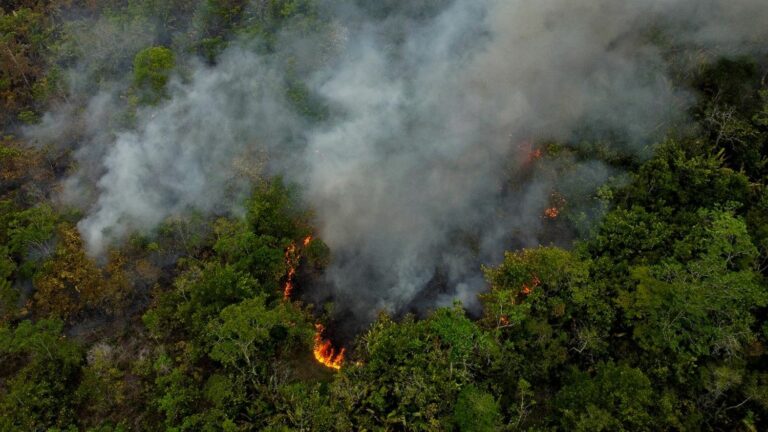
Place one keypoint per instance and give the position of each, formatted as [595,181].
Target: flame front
[324,351]
[528,287]
[292,261]
[552,213]
[557,202]
[528,153]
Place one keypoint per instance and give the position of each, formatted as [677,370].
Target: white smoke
[427,106]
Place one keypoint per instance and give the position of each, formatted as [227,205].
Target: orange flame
[292,260]
[324,351]
[288,287]
[528,153]
[534,155]
[552,213]
[556,202]
[528,287]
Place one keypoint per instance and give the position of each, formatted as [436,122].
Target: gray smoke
[430,104]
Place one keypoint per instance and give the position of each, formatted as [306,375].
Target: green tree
[151,70]
[476,411]
[543,305]
[247,335]
[409,374]
[24,35]
[42,367]
[617,398]
[702,302]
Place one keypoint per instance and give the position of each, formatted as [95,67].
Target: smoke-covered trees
[151,69]
[654,318]
[227,346]
[69,282]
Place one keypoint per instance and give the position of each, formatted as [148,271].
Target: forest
[425,215]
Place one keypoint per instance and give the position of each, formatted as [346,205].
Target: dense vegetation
[656,318]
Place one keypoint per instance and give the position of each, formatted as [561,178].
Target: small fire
[556,202]
[292,260]
[504,320]
[324,351]
[552,213]
[528,153]
[534,155]
[528,287]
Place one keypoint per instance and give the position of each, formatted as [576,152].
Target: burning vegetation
[323,348]
[528,153]
[534,155]
[292,257]
[552,213]
[291,260]
[528,287]
[324,351]
[160,172]
[556,204]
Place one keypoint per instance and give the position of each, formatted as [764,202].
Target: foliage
[39,393]
[151,70]
[701,302]
[248,334]
[70,282]
[476,411]
[410,373]
[655,319]
[23,37]
[618,398]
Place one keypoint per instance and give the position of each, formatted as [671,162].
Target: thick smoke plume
[429,104]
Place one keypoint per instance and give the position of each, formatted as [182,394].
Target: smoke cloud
[429,105]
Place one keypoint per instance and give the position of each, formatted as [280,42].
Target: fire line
[324,351]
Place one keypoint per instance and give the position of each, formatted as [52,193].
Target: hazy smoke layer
[429,104]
